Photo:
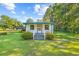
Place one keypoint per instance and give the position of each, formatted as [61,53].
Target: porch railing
[38,36]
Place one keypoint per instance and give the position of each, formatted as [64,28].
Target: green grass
[67,36]
[13,45]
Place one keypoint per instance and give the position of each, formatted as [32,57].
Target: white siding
[28,28]
[47,30]
[43,29]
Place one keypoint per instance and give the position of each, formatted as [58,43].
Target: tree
[29,20]
[11,23]
[66,17]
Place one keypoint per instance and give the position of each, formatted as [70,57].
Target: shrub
[23,30]
[3,33]
[27,35]
[49,36]
[18,31]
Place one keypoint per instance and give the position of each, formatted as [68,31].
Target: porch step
[39,36]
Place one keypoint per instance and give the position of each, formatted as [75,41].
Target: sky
[23,11]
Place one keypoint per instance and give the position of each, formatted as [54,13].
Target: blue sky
[23,11]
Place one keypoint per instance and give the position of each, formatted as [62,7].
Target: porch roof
[38,23]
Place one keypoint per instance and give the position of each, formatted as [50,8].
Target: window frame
[46,27]
[31,27]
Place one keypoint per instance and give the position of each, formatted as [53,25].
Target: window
[31,27]
[46,27]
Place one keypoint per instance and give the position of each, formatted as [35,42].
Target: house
[39,29]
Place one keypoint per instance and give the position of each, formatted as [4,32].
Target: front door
[39,35]
[39,28]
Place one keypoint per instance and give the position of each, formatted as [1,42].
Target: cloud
[13,12]
[40,14]
[28,17]
[10,7]
[40,9]
[37,8]
[23,12]
[44,8]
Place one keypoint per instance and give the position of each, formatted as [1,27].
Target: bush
[27,35]
[18,31]
[23,30]
[3,33]
[49,36]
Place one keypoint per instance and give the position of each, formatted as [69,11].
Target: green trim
[38,23]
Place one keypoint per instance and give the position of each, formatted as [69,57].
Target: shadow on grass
[65,36]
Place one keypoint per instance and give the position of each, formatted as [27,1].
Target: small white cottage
[39,29]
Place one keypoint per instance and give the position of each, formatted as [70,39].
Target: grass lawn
[13,45]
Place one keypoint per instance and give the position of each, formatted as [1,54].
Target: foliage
[3,33]
[29,20]
[7,22]
[64,16]
[49,36]
[27,35]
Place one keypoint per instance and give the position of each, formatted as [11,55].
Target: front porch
[39,29]
[39,36]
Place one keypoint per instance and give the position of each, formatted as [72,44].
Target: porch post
[33,36]
[44,36]
[34,31]
[52,26]
[44,31]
